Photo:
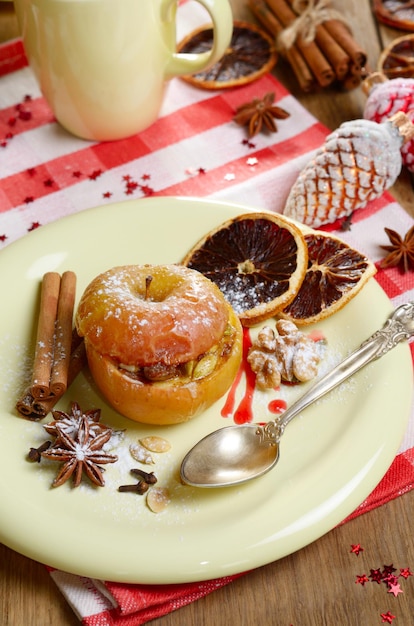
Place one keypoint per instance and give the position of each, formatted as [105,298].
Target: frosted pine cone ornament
[355,165]
[387,97]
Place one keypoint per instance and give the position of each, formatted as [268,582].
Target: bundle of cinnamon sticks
[59,351]
[333,57]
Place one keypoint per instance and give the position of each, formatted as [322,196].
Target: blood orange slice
[398,14]
[251,54]
[258,260]
[397,59]
[336,273]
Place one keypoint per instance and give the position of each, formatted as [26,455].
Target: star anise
[80,453]
[69,422]
[401,250]
[259,114]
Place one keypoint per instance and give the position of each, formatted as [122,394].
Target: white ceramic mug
[102,65]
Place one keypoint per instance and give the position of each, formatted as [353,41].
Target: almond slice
[158,498]
[154,443]
[140,454]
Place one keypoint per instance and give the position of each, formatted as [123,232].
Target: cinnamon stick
[316,61]
[77,362]
[337,57]
[24,404]
[63,334]
[43,360]
[293,56]
[37,408]
[344,38]
[56,359]
[334,53]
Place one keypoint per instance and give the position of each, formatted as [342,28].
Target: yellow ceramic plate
[331,457]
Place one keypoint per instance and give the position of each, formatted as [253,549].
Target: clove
[35,454]
[149,478]
[140,488]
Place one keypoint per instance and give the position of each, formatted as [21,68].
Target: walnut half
[287,354]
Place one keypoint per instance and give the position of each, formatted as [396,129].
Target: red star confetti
[386,575]
[28,199]
[131,185]
[48,182]
[107,194]
[395,589]
[191,171]
[356,548]
[146,176]
[406,572]
[376,575]
[361,580]
[25,115]
[387,570]
[31,171]
[390,579]
[3,238]
[248,143]
[76,174]
[146,190]
[95,174]
[34,226]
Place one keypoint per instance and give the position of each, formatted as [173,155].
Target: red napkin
[46,174]
[100,603]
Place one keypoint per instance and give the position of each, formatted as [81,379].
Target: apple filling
[203,366]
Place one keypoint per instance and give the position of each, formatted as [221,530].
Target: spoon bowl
[235,454]
[228,456]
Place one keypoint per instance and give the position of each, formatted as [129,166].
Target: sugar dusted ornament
[356,164]
[385,98]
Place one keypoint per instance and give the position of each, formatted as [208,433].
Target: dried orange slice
[336,273]
[258,260]
[251,54]
[398,14]
[397,59]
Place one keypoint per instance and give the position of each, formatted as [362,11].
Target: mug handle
[222,18]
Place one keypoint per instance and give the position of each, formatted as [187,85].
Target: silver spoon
[236,454]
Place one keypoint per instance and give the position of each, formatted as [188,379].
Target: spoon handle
[395,330]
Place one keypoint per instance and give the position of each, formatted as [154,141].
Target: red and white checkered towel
[194,149]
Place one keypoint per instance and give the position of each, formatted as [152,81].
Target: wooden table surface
[316,585]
